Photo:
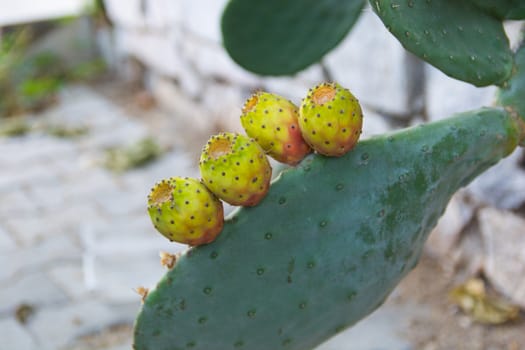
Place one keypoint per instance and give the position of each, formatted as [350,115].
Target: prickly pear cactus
[334,236]
[326,246]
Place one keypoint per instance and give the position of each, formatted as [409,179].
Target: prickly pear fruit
[235,168]
[272,121]
[185,211]
[330,119]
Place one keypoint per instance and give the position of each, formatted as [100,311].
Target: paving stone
[70,278]
[171,164]
[117,203]
[15,337]
[127,132]
[87,184]
[359,64]
[125,245]
[7,243]
[16,201]
[32,288]
[59,326]
[53,250]
[31,149]
[30,229]
[82,106]
[36,173]
[504,254]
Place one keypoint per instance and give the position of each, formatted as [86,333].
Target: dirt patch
[444,326]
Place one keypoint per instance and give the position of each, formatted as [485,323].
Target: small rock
[504,248]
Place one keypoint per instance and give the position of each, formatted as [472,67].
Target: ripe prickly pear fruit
[185,211]
[330,119]
[235,168]
[272,121]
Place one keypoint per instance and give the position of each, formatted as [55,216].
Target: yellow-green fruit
[271,120]
[235,168]
[185,211]
[330,119]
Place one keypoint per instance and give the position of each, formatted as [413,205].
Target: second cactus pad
[235,168]
[183,210]
[272,121]
[331,119]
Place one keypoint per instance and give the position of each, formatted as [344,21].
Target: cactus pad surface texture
[275,37]
[327,244]
[461,39]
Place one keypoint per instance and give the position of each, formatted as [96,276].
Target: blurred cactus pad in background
[334,236]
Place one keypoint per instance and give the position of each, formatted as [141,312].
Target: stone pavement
[75,239]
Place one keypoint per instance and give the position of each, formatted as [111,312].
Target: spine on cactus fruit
[271,120]
[185,211]
[331,119]
[235,168]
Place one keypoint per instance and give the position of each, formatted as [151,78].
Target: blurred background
[101,99]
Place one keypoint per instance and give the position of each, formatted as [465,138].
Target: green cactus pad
[326,246]
[502,9]
[275,37]
[513,94]
[271,120]
[457,37]
[235,168]
[331,119]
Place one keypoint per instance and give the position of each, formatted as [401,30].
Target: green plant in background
[135,155]
[334,236]
[30,82]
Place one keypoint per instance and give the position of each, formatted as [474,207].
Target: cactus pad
[457,37]
[328,244]
[503,9]
[513,94]
[275,37]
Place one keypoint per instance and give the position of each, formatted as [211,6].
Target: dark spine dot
[268,236]
[202,320]
[214,255]
[260,271]
[251,313]
[339,187]
[323,223]
[207,290]
[282,200]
